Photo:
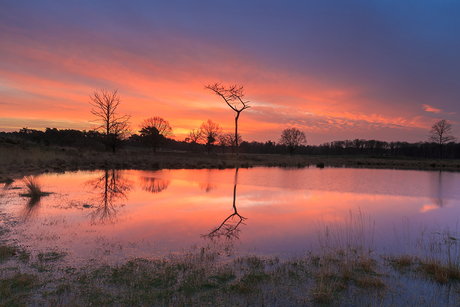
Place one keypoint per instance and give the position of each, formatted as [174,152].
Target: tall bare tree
[154,130]
[292,138]
[233,96]
[113,126]
[440,133]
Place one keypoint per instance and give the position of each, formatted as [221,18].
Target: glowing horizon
[340,83]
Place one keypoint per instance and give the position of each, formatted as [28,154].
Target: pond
[119,214]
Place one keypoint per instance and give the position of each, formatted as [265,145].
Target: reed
[434,252]
[33,188]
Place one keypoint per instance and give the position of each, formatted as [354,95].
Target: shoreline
[19,161]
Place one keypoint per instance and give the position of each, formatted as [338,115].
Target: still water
[122,214]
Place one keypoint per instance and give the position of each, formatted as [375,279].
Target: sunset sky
[335,69]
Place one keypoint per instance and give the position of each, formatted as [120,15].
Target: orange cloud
[431,109]
[50,83]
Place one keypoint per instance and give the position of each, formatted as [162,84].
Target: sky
[334,69]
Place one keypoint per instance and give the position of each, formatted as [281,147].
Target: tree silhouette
[154,130]
[113,126]
[292,138]
[209,132]
[193,137]
[233,97]
[440,133]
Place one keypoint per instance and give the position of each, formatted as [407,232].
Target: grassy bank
[341,272]
[21,160]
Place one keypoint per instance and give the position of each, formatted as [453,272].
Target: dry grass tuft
[33,187]
[323,292]
[441,273]
[404,261]
[367,281]
[7,252]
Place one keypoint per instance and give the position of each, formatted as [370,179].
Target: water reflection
[207,186]
[31,208]
[110,187]
[282,206]
[441,187]
[228,229]
[154,185]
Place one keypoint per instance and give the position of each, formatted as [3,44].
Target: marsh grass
[16,290]
[33,188]
[50,256]
[25,159]
[7,252]
[433,253]
[342,271]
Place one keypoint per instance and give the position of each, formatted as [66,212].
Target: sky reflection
[262,210]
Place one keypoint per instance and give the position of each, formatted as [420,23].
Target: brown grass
[439,272]
[33,187]
[323,292]
[368,281]
[20,160]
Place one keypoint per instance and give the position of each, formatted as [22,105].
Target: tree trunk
[236,132]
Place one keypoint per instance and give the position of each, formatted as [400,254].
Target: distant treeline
[359,147]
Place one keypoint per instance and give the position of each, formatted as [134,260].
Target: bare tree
[233,96]
[231,141]
[114,126]
[193,137]
[209,132]
[223,141]
[292,138]
[154,130]
[440,133]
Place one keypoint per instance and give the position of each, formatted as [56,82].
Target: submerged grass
[7,252]
[343,271]
[434,254]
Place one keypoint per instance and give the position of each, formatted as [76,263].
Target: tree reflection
[441,188]
[207,186]
[109,187]
[228,229]
[154,185]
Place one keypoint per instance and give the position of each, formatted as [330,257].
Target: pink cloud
[431,109]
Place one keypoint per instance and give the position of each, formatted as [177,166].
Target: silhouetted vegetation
[233,97]
[440,133]
[154,131]
[209,133]
[113,126]
[292,138]
[94,140]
